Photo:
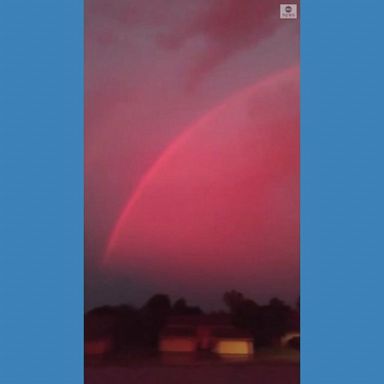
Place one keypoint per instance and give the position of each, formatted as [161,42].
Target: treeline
[266,323]
[131,327]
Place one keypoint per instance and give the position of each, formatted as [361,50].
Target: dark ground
[267,367]
[216,374]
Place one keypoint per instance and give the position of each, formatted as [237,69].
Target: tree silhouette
[267,323]
[233,299]
[180,307]
[129,327]
[155,312]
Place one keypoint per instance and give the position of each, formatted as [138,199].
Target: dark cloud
[227,27]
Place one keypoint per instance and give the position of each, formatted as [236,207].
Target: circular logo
[288,9]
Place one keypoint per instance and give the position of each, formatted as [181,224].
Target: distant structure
[98,347]
[211,333]
[290,338]
[98,331]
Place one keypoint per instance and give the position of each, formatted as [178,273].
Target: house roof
[99,327]
[231,333]
[178,332]
[187,326]
[196,320]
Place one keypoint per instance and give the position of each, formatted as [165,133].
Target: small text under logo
[288,11]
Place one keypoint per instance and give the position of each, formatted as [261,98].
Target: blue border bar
[342,192]
[41,192]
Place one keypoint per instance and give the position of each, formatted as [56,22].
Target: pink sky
[191,150]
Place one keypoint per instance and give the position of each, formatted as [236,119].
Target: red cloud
[227,27]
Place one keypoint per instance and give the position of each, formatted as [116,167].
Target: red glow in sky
[192,150]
